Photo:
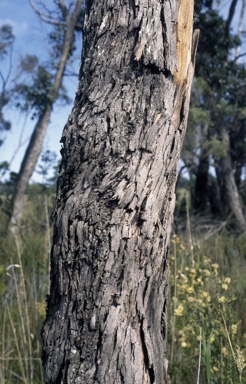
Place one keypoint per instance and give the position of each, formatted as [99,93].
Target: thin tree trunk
[106,318]
[214,197]
[27,167]
[240,28]
[230,17]
[201,185]
[230,190]
[35,145]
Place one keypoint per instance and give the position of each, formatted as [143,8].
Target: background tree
[106,319]
[45,92]
[216,131]
[6,47]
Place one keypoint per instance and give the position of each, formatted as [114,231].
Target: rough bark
[106,317]
[35,144]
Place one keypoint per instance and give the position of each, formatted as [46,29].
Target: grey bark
[106,316]
[35,144]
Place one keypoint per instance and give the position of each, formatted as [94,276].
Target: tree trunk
[214,197]
[35,145]
[106,317]
[229,190]
[27,167]
[201,185]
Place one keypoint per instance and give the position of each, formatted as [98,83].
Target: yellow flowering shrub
[179,311]
[200,301]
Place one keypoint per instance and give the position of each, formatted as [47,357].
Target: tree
[6,47]
[70,20]
[216,134]
[106,316]
[230,189]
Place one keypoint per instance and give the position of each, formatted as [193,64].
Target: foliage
[6,40]
[214,45]
[218,100]
[216,147]
[31,83]
[206,299]
[207,284]
[6,46]
[203,315]
[4,167]
[46,163]
[56,39]
[24,284]
[35,89]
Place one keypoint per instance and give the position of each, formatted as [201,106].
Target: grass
[24,271]
[207,336]
[206,303]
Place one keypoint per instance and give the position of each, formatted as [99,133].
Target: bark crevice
[148,366]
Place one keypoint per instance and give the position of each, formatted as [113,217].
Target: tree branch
[230,16]
[63,9]
[50,20]
[46,18]
[3,81]
[237,57]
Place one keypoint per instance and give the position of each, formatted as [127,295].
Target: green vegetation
[206,307]
[24,275]
[207,304]
[207,321]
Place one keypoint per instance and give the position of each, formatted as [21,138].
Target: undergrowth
[24,274]
[206,314]
[207,339]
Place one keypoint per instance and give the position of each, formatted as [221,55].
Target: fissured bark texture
[106,320]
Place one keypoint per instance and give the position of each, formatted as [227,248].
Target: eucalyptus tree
[68,21]
[6,48]
[216,135]
[106,316]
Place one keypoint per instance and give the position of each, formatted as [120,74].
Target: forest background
[207,311]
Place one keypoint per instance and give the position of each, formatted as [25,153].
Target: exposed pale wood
[184,39]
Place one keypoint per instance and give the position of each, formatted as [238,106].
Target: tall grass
[207,336]
[206,304]
[25,273]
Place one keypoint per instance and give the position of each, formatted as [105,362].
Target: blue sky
[30,38]
[30,35]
